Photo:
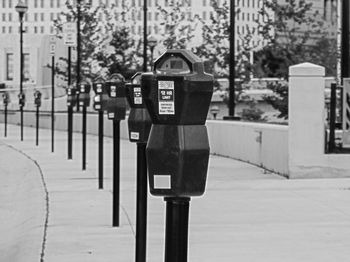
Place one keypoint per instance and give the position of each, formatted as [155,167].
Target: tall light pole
[78,79]
[152,42]
[21,8]
[144,35]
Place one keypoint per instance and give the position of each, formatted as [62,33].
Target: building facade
[38,25]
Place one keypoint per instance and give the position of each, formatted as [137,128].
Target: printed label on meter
[137,96]
[166,97]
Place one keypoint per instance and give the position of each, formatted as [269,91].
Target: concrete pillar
[306,119]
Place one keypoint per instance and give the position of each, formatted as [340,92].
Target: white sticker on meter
[166,97]
[111,115]
[137,96]
[135,135]
[162,181]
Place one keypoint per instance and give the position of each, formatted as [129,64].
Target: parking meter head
[5,98]
[101,96]
[21,99]
[99,85]
[37,98]
[71,96]
[84,93]
[116,104]
[178,91]
[133,92]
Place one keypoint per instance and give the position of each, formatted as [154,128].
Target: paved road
[245,215]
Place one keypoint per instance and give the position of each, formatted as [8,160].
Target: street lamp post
[152,42]
[21,8]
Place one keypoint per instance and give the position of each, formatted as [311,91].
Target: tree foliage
[177,25]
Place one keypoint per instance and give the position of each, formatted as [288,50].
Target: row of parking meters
[22,99]
[177,96]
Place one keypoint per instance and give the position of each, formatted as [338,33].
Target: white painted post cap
[306,69]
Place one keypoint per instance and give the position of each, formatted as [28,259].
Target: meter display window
[175,65]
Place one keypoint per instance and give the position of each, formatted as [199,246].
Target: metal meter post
[6,101]
[177,95]
[52,53]
[84,101]
[21,103]
[116,108]
[71,102]
[100,100]
[37,102]
[139,124]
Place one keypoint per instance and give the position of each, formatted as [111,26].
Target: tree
[91,35]
[177,24]
[293,34]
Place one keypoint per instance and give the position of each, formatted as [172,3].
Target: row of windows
[36,30]
[10,66]
[36,17]
[37,3]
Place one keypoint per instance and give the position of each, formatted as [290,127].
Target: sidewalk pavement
[246,214]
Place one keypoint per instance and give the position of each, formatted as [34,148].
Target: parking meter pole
[5,121]
[70,131]
[70,108]
[141,204]
[100,150]
[332,116]
[37,127]
[176,229]
[84,138]
[53,104]
[116,169]
[21,109]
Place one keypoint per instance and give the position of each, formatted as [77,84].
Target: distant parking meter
[116,105]
[84,93]
[21,99]
[37,98]
[139,121]
[101,96]
[177,95]
[71,96]
[5,98]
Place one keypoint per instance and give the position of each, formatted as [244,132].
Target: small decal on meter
[166,96]
[162,181]
[137,96]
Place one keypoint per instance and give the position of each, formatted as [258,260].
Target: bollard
[37,102]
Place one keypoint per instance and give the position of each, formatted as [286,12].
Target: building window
[58,3]
[4,29]
[35,17]
[35,30]
[10,3]
[10,30]
[204,2]
[9,66]
[42,17]
[10,17]
[3,3]
[204,15]
[35,3]
[41,29]
[4,17]
[42,3]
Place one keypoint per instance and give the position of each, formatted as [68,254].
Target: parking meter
[21,99]
[101,97]
[71,96]
[37,98]
[177,95]
[5,98]
[116,105]
[84,93]
[139,121]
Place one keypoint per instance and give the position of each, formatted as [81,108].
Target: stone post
[306,119]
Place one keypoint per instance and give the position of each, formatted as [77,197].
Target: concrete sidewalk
[245,214]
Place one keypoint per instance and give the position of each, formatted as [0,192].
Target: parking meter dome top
[178,61]
[178,91]
[84,87]
[115,85]
[37,94]
[99,86]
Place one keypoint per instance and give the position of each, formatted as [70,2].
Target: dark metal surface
[5,121]
[53,103]
[332,115]
[37,127]
[100,150]
[232,60]
[84,139]
[141,204]
[116,174]
[144,36]
[70,109]
[176,229]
